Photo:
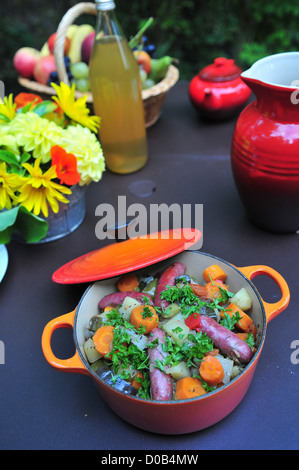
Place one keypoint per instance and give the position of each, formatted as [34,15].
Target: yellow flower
[85,146]
[38,191]
[9,183]
[7,109]
[35,134]
[76,110]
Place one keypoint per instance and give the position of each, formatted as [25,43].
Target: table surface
[41,408]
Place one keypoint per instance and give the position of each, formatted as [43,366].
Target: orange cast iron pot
[182,416]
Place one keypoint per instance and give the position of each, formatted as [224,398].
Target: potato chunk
[176,328]
[179,371]
[242,299]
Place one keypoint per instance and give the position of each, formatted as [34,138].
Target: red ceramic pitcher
[265,145]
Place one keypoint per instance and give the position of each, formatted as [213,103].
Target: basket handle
[67,20]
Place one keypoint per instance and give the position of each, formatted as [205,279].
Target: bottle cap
[105,4]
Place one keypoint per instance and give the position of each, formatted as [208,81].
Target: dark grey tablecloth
[40,408]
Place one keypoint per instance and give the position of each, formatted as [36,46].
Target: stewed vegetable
[171,338]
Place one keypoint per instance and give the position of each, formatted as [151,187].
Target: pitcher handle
[73,364]
[272,309]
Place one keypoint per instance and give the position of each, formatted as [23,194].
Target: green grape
[82,84]
[143,75]
[148,83]
[79,70]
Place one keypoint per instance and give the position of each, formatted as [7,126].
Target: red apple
[51,44]
[44,66]
[24,61]
[143,60]
[86,47]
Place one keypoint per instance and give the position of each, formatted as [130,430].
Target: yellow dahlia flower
[8,140]
[74,109]
[35,134]
[85,146]
[9,183]
[39,190]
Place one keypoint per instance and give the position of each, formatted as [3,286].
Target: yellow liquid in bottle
[116,90]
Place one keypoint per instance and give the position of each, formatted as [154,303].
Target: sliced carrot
[211,370]
[188,387]
[136,382]
[107,309]
[103,338]
[199,290]
[214,272]
[213,291]
[242,336]
[214,352]
[144,316]
[245,323]
[128,282]
[252,329]
[209,291]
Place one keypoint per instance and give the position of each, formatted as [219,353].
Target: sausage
[117,298]
[167,278]
[225,340]
[161,385]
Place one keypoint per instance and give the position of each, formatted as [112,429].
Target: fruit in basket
[143,60]
[80,75]
[82,84]
[24,61]
[79,70]
[76,43]
[43,67]
[53,77]
[86,47]
[159,68]
[71,30]
[51,44]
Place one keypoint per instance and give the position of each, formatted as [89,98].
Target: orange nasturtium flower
[22,99]
[66,166]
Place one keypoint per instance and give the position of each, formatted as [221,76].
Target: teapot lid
[222,70]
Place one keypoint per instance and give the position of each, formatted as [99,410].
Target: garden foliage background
[192,31]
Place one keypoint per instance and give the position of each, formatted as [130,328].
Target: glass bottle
[116,88]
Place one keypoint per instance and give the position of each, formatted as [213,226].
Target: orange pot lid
[129,255]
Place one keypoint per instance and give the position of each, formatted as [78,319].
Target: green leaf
[44,108]
[8,157]
[25,157]
[25,109]
[31,227]
[4,118]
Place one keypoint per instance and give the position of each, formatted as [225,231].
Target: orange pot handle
[271,309]
[73,364]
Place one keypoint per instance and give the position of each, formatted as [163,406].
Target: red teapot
[217,91]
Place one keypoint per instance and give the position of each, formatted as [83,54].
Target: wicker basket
[153,97]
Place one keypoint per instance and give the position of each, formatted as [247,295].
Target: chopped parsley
[189,302]
[146,312]
[229,321]
[190,351]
